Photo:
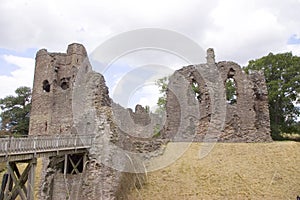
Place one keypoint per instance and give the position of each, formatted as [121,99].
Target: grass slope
[230,171]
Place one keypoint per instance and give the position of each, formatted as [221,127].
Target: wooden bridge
[27,150]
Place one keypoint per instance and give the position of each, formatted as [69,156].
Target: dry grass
[230,171]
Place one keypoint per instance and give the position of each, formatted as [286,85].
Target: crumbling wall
[137,129]
[246,120]
[54,77]
[69,98]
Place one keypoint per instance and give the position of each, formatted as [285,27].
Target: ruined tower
[54,78]
[58,77]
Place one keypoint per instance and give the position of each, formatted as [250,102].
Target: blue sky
[294,40]
[6,67]
[238,30]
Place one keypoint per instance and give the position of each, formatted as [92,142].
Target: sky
[238,30]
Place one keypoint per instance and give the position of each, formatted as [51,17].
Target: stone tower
[54,78]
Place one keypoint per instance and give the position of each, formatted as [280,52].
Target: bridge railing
[44,143]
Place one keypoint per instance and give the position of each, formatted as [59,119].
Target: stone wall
[69,98]
[246,120]
[54,77]
[137,129]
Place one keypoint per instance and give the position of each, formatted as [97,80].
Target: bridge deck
[24,148]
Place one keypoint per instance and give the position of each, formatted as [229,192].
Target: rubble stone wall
[246,120]
[69,98]
[54,77]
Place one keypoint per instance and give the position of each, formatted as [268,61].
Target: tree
[163,87]
[230,87]
[162,100]
[15,112]
[147,109]
[282,73]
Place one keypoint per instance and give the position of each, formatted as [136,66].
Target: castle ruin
[59,77]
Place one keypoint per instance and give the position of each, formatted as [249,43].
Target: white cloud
[22,76]
[238,30]
[147,95]
[54,24]
[244,30]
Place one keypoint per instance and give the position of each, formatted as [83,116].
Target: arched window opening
[46,86]
[231,73]
[196,90]
[231,91]
[64,83]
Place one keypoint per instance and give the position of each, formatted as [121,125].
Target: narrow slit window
[46,86]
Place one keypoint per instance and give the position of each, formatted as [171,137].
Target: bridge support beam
[14,183]
[74,163]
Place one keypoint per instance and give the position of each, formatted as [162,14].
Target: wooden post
[3,185]
[30,181]
[10,186]
[65,165]
[84,161]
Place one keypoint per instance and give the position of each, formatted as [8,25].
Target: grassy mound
[229,171]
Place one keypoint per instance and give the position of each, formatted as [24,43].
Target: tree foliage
[196,90]
[163,86]
[162,100]
[282,73]
[15,112]
[231,93]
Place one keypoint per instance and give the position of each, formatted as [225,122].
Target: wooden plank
[84,162]
[30,181]
[74,166]
[10,186]
[15,169]
[3,185]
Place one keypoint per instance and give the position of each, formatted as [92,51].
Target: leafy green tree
[162,100]
[231,94]
[163,87]
[15,112]
[282,73]
[147,109]
[196,90]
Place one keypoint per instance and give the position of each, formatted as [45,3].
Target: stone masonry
[70,98]
[246,120]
